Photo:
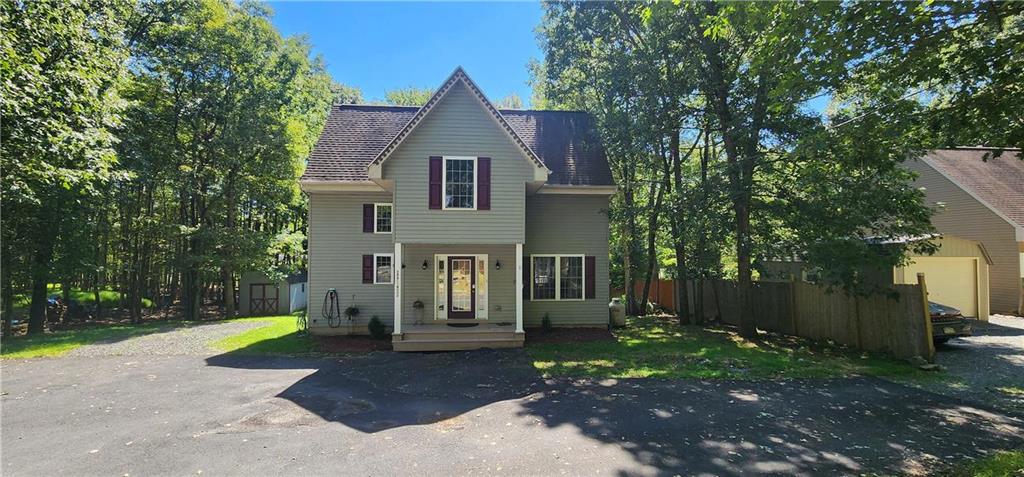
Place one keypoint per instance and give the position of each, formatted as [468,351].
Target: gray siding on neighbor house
[336,246]
[419,283]
[963,216]
[458,126]
[569,224]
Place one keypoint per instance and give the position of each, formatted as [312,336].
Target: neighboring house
[956,275]
[457,213]
[258,295]
[981,200]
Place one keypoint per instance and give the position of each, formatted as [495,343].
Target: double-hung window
[382,268]
[382,218]
[460,183]
[557,277]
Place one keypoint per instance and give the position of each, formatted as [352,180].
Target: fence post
[793,314]
[929,344]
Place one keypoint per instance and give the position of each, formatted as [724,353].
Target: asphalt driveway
[461,414]
[988,366]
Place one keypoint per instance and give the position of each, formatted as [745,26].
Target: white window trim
[444,181]
[558,276]
[378,204]
[392,257]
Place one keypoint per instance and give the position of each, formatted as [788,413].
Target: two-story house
[457,224]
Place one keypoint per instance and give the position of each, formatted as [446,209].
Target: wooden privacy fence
[896,324]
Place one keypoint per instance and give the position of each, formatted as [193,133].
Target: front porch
[457,297]
[452,338]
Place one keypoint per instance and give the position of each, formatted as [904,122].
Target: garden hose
[332,309]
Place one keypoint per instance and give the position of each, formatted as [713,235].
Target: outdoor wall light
[497,264]
[425,265]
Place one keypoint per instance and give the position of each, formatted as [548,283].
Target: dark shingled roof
[567,142]
[999,181]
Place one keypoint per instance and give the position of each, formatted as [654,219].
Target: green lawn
[1000,464]
[650,347]
[280,336]
[55,344]
[108,298]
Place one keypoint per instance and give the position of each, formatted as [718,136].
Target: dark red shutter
[527,277]
[367,268]
[368,218]
[483,183]
[435,182]
[589,273]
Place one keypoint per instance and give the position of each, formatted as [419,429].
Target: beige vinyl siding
[419,283]
[458,126]
[963,216]
[337,244]
[568,225]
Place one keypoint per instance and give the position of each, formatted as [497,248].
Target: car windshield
[939,309]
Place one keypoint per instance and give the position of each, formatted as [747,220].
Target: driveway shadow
[384,390]
[667,427]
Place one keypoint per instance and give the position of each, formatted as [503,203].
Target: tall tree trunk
[7,295]
[739,164]
[678,231]
[628,238]
[40,278]
[657,192]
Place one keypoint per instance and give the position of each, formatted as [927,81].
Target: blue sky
[378,46]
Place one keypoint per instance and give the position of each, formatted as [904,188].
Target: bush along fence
[898,324]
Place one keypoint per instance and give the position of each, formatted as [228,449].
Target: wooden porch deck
[441,337]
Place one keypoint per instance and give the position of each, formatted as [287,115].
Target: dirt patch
[351,344]
[567,335]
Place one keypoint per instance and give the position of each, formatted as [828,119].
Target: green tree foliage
[62,65]
[343,94]
[703,105]
[410,96]
[224,112]
[512,101]
[153,148]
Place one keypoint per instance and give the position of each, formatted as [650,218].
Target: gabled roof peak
[457,76]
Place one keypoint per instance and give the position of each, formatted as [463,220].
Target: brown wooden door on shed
[263,299]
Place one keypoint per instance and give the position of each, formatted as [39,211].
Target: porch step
[450,339]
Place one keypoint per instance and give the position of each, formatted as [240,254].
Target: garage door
[951,281]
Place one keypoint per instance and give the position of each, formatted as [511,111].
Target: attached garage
[957,275]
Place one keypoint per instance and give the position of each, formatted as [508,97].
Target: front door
[461,288]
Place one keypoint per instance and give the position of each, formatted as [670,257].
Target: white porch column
[396,269]
[519,288]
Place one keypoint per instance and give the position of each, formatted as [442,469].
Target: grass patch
[280,336]
[650,347]
[58,343]
[1000,464]
[108,298]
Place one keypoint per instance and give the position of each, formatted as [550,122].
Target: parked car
[947,323]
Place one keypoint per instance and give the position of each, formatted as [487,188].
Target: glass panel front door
[461,287]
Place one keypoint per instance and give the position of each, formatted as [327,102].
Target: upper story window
[460,183]
[382,218]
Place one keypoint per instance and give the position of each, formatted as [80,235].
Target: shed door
[263,299]
[951,281]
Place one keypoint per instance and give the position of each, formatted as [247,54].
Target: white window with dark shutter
[382,268]
[558,277]
[459,183]
[382,214]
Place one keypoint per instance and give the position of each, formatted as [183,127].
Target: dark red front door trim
[463,315]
